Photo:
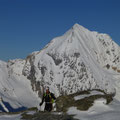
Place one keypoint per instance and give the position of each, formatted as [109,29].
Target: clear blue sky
[28,25]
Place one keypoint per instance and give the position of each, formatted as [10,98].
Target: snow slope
[14,87]
[99,111]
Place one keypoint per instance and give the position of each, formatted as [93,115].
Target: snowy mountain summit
[77,61]
[74,62]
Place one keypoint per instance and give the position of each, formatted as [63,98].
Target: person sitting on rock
[48,98]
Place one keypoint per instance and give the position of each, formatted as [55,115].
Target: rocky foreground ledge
[47,116]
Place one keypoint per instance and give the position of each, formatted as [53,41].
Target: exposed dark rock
[77,55]
[107,66]
[55,58]
[32,74]
[43,68]
[67,101]
[108,52]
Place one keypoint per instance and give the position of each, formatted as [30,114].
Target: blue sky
[28,25]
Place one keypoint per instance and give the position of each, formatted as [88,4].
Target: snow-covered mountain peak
[70,41]
[76,26]
[73,62]
[76,61]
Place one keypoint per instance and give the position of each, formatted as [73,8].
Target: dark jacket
[48,98]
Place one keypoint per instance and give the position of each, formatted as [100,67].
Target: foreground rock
[82,100]
[47,116]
